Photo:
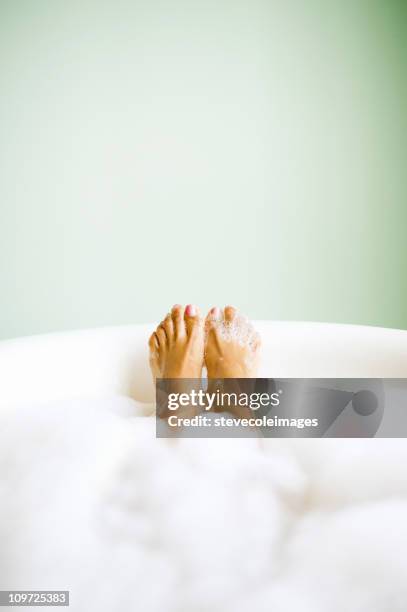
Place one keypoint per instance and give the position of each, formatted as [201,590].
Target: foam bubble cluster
[239,330]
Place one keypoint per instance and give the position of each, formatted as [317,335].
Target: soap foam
[239,330]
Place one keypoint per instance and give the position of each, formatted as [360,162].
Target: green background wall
[208,151]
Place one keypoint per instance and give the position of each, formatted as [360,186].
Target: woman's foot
[177,345]
[232,345]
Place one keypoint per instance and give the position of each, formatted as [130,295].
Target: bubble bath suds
[239,330]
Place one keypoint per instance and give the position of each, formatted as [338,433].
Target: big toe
[193,321]
[213,319]
[230,313]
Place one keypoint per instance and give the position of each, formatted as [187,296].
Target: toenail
[215,312]
[176,306]
[191,310]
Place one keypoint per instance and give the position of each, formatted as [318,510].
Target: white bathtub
[110,361]
[123,517]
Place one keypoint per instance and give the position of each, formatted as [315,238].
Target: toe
[213,318]
[215,314]
[154,357]
[177,314]
[168,328]
[192,319]
[161,338]
[153,343]
[230,313]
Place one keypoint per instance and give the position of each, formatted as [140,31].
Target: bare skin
[182,343]
[177,345]
[178,348]
[232,346]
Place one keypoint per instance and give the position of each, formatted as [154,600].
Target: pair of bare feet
[183,343]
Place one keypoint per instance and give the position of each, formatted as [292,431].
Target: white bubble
[239,330]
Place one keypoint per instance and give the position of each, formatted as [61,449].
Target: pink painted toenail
[191,310]
[215,312]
